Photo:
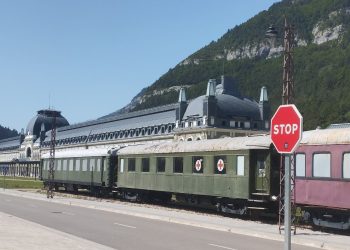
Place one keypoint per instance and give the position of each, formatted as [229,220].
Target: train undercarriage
[326,217]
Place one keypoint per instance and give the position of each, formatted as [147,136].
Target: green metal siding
[93,174]
[207,183]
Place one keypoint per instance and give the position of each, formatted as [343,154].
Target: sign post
[286,133]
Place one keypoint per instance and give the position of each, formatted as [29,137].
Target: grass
[20,182]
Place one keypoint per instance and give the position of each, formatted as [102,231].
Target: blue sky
[89,58]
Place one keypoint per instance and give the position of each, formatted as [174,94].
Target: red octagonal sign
[286,128]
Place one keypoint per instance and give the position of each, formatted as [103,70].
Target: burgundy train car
[323,177]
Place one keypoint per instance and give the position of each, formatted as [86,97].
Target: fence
[29,169]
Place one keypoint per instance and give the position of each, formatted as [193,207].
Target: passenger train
[237,175]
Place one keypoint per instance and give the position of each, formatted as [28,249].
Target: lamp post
[287,168]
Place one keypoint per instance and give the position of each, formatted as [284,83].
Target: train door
[261,171]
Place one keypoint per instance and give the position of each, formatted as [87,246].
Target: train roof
[79,153]
[223,144]
[326,136]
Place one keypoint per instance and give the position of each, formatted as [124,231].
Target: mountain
[7,133]
[321,62]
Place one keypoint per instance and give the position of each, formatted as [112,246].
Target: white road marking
[213,245]
[123,225]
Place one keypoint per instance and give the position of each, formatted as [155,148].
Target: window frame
[174,165]
[92,164]
[131,167]
[84,165]
[65,165]
[194,160]
[158,161]
[342,170]
[237,172]
[77,164]
[122,165]
[98,164]
[59,164]
[216,158]
[330,165]
[145,169]
[296,168]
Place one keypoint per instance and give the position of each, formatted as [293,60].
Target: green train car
[235,174]
[92,169]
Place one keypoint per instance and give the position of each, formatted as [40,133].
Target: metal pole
[287,204]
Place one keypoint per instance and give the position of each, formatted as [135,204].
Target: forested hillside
[321,59]
[6,132]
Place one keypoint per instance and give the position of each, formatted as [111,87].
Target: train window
[220,164]
[71,165]
[104,163]
[121,165]
[92,164]
[321,165]
[59,165]
[145,164]
[98,165]
[160,164]
[178,165]
[197,164]
[300,165]
[65,165]
[240,165]
[346,165]
[84,165]
[77,165]
[131,164]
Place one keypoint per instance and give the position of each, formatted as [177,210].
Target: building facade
[221,112]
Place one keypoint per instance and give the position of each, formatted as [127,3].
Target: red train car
[323,177]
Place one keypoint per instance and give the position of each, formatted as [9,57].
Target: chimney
[42,133]
[181,106]
[263,95]
[209,103]
[182,95]
[211,87]
[265,109]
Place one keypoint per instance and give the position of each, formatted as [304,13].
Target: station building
[221,112]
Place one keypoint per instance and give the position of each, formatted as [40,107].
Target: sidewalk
[303,237]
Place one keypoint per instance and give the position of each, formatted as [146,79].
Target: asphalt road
[128,232]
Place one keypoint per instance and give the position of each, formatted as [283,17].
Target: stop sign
[286,128]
